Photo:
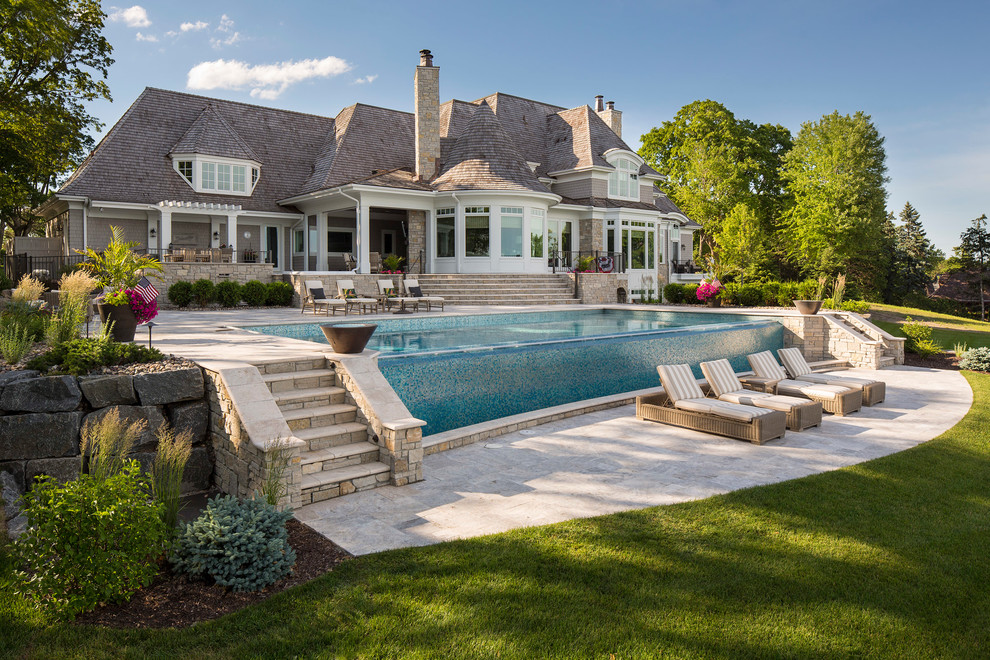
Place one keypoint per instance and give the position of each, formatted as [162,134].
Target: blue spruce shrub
[241,544]
[976,359]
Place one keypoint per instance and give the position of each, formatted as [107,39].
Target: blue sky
[920,69]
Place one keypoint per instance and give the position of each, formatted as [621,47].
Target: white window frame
[209,173]
[626,173]
[449,213]
[514,212]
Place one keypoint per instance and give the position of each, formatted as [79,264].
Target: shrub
[808,290]
[788,293]
[750,295]
[180,294]
[228,293]
[24,315]
[89,541]
[203,291]
[770,291]
[920,339]
[15,342]
[241,544]
[691,294]
[254,293]
[278,294]
[674,293]
[857,306]
[28,290]
[81,356]
[976,359]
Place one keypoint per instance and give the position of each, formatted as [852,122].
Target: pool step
[319,486]
[320,416]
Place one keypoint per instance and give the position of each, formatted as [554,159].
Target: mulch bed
[175,601]
[939,361]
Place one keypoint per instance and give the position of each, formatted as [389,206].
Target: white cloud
[146,37]
[194,27]
[229,41]
[226,27]
[366,80]
[171,33]
[266,81]
[135,17]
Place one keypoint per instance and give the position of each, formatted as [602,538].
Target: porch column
[363,218]
[214,229]
[232,235]
[164,232]
[321,241]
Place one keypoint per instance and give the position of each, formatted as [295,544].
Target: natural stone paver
[609,461]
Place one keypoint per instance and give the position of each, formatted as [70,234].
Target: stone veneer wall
[190,272]
[600,288]
[41,419]
[821,337]
[417,241]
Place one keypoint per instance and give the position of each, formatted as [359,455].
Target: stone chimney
[427,84]
[610,115]
[599,103]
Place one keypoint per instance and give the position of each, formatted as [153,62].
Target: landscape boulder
[158,388]
[103,391]
[61,469]
[48,394]
[193,417]
[150,415]
[8,377]
[11,493]
[35,435]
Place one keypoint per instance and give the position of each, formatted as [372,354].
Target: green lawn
[946,337]
[883,559]
[895,314]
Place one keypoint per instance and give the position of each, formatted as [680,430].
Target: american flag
[146,289]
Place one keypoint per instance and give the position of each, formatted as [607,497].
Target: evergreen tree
[974,251]
[914,257]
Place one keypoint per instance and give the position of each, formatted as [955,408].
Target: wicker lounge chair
[387,296]
[874,391]
[771,376]
[429,300]
[801,413]
[317,299]
[684,404]
[353,300]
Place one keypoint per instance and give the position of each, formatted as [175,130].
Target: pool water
[454,371]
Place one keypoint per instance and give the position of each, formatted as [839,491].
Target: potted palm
[118,269]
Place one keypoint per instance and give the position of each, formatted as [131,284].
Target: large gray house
[502,184]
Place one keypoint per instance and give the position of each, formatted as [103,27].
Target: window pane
[610,241]
[476,236]
[254,176]
[297,241]
[239,176]
[445,237]
[613,184]
[536,237]
[638,249]
[186,170]
[650,248]
[512,235]
[209,176]
[625,246]
[223,177]
[340,241]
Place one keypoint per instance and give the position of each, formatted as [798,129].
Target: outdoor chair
[387,296]
[347,292]
[350,263]
[801,413]
[683,403]
[771,377]
[874,391]
[316,298]
[413,289]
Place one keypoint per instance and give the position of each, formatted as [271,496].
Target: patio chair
[771,377]
[226,255]
[801,413]
[316,298]
[375,261]
[874,391]
[413,289]
[683,404]
[347,292]
[387,297]
[350,263]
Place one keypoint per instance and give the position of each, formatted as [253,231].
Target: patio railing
[601,261]
[47,269]
[685,267]
[211,255]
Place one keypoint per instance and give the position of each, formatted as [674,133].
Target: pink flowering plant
[709,290]
[143,311]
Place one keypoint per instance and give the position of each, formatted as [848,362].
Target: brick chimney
[610,115]
[427,84]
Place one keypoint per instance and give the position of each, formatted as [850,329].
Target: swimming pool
[454,371]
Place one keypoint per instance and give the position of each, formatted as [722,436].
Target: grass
[883,559]
[947,330]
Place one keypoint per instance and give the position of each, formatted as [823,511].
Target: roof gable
[211,135]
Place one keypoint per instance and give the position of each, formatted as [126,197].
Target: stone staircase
[339,458]
[502,289]
[867,332]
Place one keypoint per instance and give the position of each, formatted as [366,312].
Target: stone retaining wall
[41,418]
[600,288]
[216,273]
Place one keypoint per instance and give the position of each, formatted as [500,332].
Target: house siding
[98,233]
[577,189]
[599,188]
[646,193]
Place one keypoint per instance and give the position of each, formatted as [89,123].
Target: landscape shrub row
[766,294]
[229,294]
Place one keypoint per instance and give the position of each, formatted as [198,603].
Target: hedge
[766,294]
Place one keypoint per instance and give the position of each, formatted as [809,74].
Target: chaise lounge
[412,286]
[317,299]
[771,377]
[347,292]
[387,297]
[874,391]
[801,413]
[682,403]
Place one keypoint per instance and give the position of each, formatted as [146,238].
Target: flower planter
[348,337]
[808,307]
[714,302]
[123,319]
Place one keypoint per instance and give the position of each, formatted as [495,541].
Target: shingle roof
[131,163]
[211,135]
[484,158]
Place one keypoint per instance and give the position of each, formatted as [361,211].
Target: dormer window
[623,182]
[216,175]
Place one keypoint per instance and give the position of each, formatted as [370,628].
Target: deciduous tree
[740,241]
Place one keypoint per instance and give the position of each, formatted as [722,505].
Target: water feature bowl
[348,337]
[808,307]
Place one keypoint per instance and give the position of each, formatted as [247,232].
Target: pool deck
[591,464]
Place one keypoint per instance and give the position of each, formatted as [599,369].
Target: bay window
[512,227]
[476,231]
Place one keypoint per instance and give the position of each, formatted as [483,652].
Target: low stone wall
[827,337]
[216,273]
[601,288]
[41,419]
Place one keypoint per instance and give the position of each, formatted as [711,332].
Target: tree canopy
[53,59]
[974,252]
[914,258]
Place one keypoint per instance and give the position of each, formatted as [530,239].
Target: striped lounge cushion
[763,400]
[679,382]
[721,409]
[841,381]
[794,362]
[802,387]
[721,376]
[765,366]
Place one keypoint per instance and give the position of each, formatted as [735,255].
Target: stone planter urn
[123,319]
[348,337]
[808,307]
